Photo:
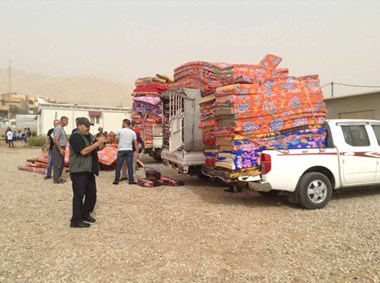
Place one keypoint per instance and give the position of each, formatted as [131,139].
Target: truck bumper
[182,160]
[255,183]
[176,165]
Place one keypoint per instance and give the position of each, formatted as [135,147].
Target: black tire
[202,176]
[314,190]
[270,194]
[157,155]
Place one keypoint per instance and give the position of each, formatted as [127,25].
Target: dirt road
[195,233]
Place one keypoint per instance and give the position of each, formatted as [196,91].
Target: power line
[350,85]
[370,86]
[325,85]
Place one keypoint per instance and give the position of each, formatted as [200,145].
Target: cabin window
[355,135]
[376,129]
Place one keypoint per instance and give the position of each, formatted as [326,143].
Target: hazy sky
[123,40]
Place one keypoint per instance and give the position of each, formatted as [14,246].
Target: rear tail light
[266,164]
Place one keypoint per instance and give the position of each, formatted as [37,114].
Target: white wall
[113,121]
[110,120]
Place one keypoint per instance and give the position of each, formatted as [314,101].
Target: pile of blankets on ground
[107,159]
[248,108]
[153,178]
[147,106]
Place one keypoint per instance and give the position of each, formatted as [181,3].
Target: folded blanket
[148,100]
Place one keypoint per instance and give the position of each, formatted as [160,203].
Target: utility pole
[9,85]
[10,76]
[332,89]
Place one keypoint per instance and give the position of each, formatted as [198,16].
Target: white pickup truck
[351,159]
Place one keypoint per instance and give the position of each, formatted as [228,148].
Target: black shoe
[89,218]
[47,177]
[59,182]
[79,224]
[115,182]
[132,183]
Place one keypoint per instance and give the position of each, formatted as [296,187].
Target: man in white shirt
[125,151]
[10,139]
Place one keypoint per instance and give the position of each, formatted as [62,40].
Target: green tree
[14,110]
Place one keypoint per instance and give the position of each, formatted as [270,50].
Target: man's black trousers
[84,186]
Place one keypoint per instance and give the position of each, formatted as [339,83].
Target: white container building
[109,118]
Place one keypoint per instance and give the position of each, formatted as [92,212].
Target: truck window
[376,129]
[355,135]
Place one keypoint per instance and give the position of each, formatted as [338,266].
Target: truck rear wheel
[157,154]
[314,190]
[202,176]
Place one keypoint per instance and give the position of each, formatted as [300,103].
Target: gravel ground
[195,233]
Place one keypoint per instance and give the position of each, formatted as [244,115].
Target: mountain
[80,90]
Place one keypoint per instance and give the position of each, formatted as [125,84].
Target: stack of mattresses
[147,106]
[202,75]
[207,77]
[34,167]
[277,112]
[269,107]
[210,76]
[247,108]
[207,124]
[107,159]
[40,163]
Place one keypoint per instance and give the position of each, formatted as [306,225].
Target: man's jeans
[121,156]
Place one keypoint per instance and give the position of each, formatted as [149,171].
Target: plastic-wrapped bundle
[211,156]
[151,89]
[145,107]
[239,159]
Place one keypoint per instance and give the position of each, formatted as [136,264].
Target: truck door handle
[349,154]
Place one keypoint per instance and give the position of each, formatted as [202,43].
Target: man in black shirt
[84,165]
[49,146]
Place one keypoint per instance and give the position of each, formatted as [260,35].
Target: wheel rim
[317,191]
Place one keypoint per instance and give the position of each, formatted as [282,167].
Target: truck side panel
[287,168]
[357,147]
[192,133]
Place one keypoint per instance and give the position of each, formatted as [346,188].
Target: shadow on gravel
[214,192]
[354,192]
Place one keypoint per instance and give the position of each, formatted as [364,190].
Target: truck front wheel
[314,190]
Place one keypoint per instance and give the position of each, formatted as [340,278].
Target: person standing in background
[59,147]
[136,152]
[127,137]
[6,132]
[24,135]
[10,139]
[49,146]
